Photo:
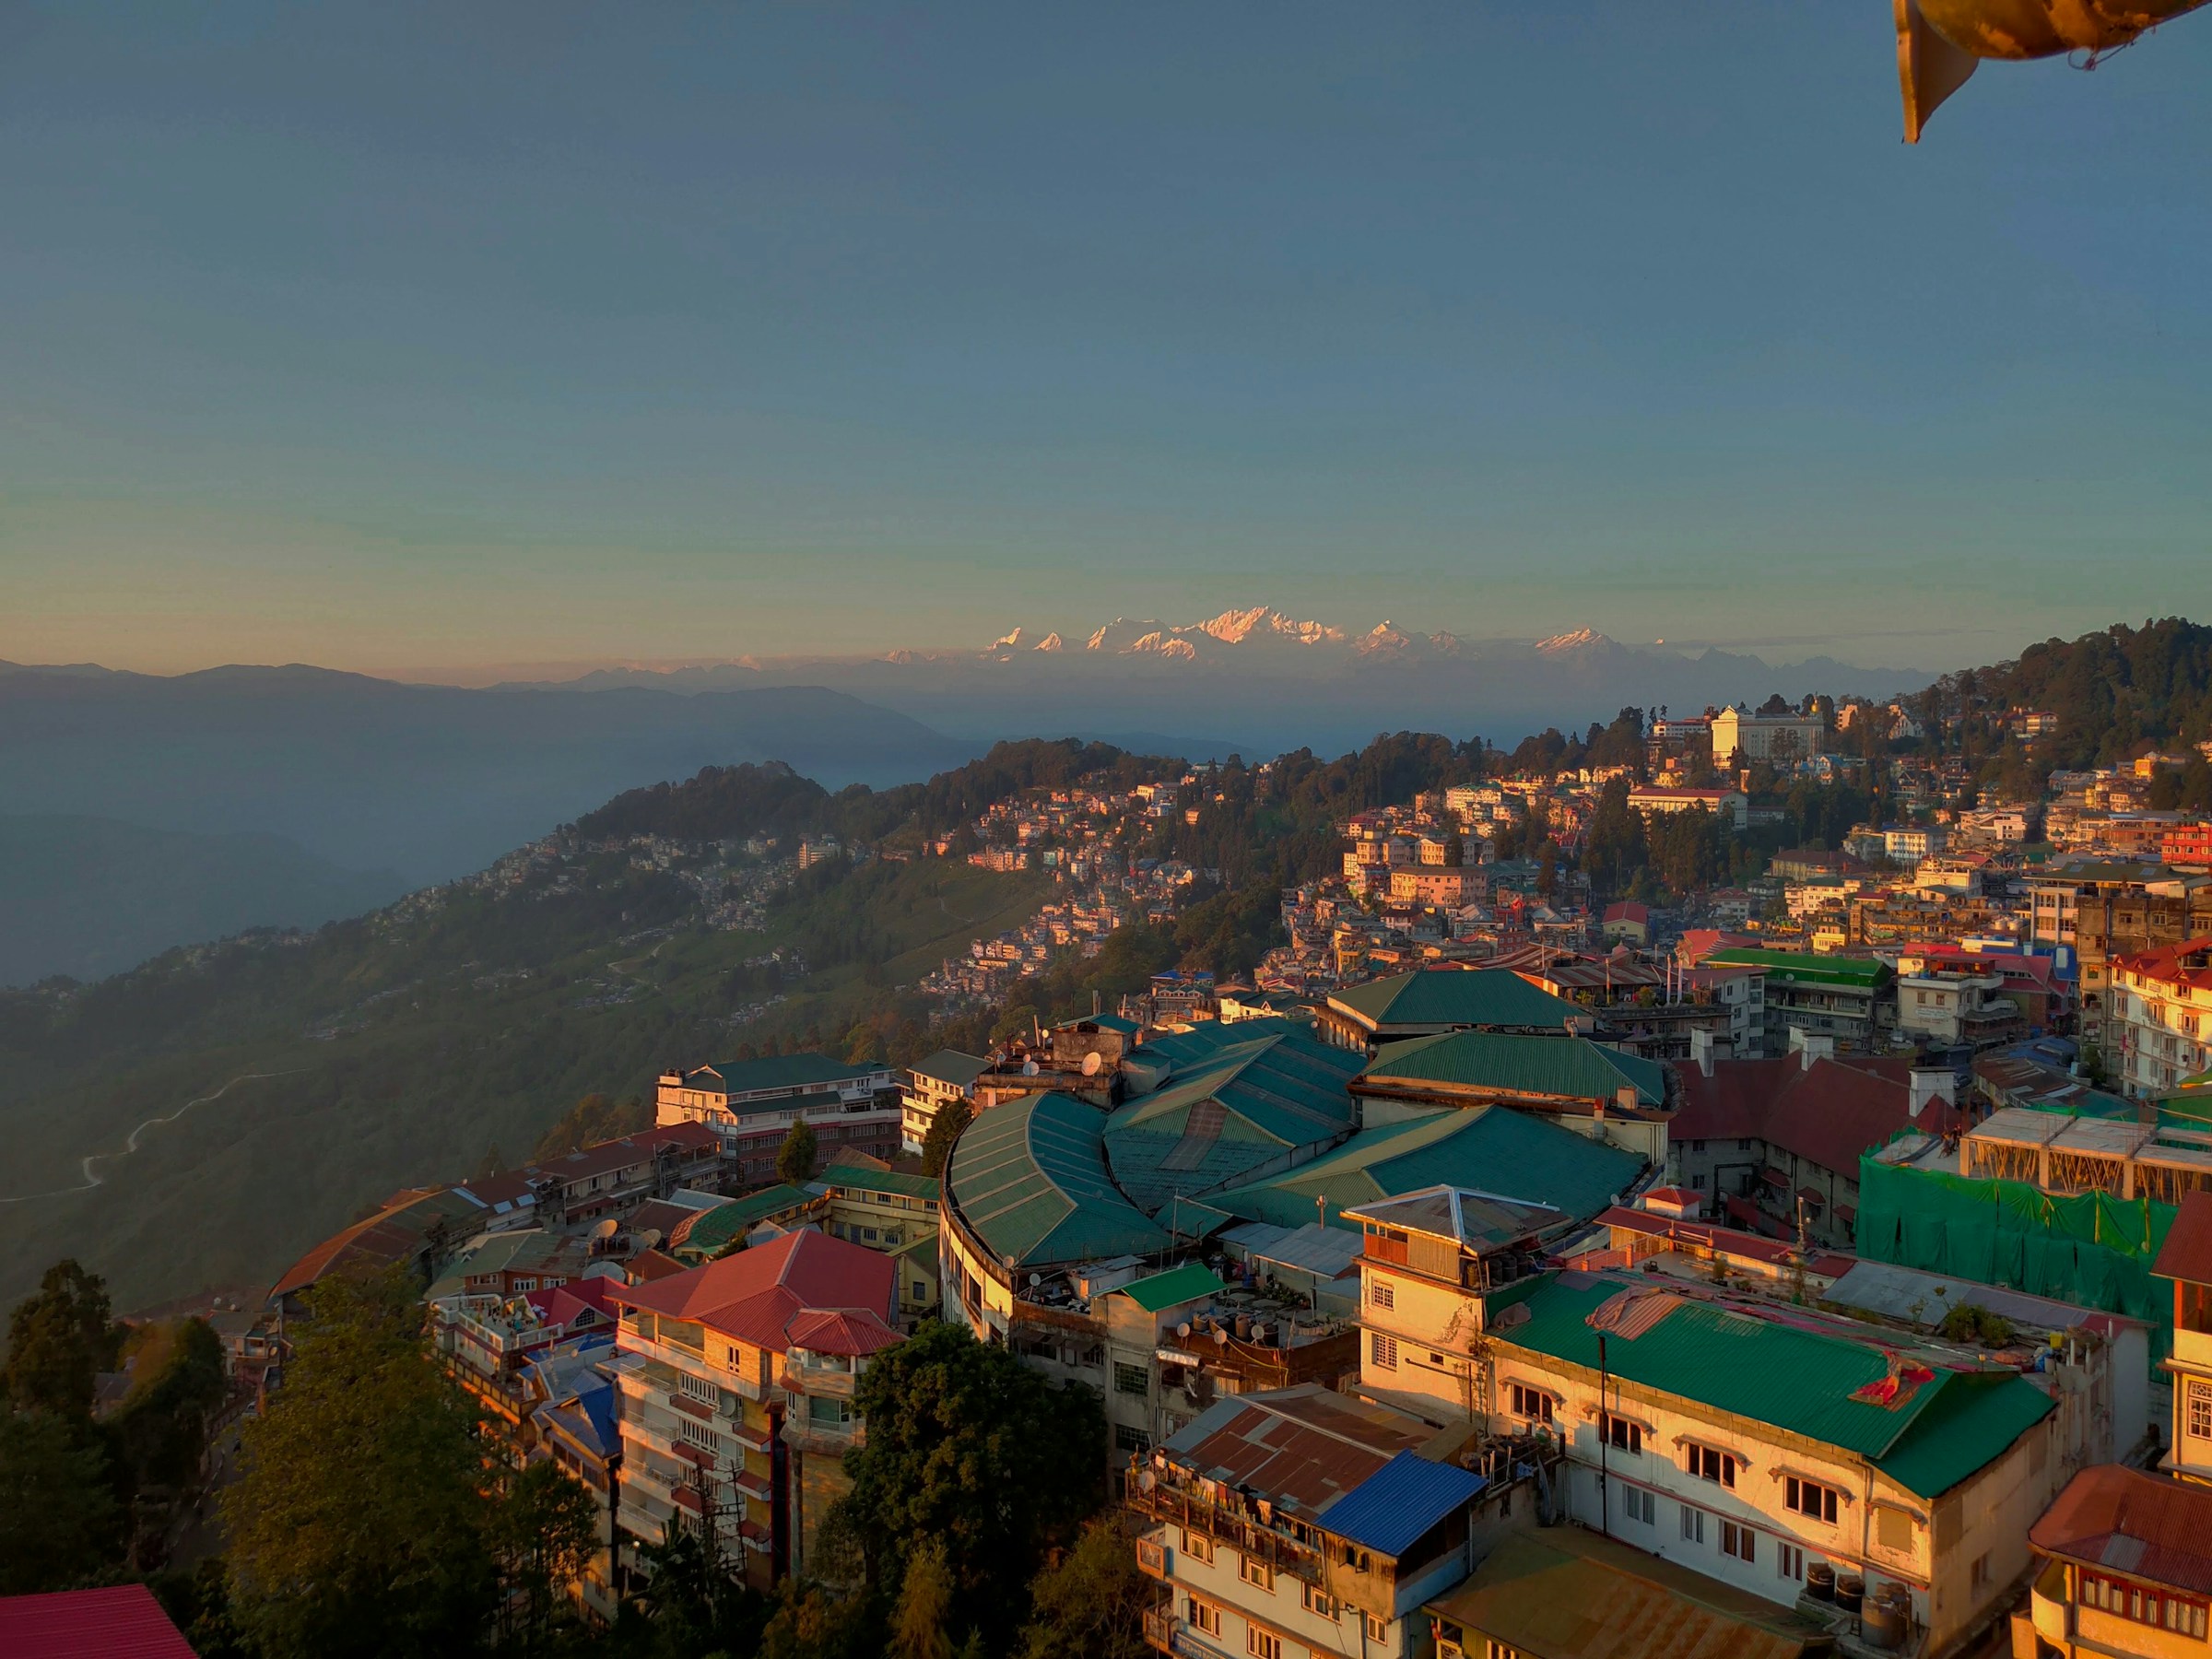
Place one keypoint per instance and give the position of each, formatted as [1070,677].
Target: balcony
[1179,1506]
[820,1381]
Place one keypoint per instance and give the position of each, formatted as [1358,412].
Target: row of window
[2183,1615]
[1205,1616]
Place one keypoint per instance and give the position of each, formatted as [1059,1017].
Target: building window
[1693,1524]
[2143,1603]
[1206,1616]
[1788,1563]
[1619,1432]
[1531,1403]
[1378,1627]
[1706,1463]
[2200,1411]
[1498,1650]
[1381,1293]
[699,1388]
[1383,1351]
[1131,1378]
[1642,1506]
[1126,1439]
[1977,1578]
[1739,1541]
[1810,1497]
[1254,1572]
[694,1434]
[1198,1547]
[1320,1602]
[1261,1644]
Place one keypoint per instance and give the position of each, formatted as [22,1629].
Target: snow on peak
[1386,636]
[1052,641]
[1007,641]
[1097,640]
[1163,642]
[1571,642]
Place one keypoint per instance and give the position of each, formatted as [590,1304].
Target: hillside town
[1814,1259]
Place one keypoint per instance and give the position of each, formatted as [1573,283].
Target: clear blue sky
[404,337]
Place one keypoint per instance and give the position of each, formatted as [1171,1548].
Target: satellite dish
[1145,1481]
[1029,1068]
[607,1229]
[1035,1280]
[1091,1062]
[1183,1329]
[1220,1337]
[650,1238]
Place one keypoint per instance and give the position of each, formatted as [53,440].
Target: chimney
[1810,1048]
[1700,1051]
[1932,1083]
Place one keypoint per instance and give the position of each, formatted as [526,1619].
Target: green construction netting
[2090,1248]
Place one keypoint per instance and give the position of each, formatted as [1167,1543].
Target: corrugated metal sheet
[1030,1177]
[1573,1596]
[1391,1508]
[1449,996]
[1568,1067]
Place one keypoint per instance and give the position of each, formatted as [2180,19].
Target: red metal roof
[1827,1113]
[123,1622]
[757,1294]
[842,1331]
[2145,1525]
[2187,1252]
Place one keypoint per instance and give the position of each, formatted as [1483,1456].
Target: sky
[412,338]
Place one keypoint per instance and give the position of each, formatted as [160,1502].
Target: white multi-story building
[1301,1521]
[1743,1439]
[1740,736]
[932,1085]
[2158,1018]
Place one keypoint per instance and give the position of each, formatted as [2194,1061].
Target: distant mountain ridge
[1279,680]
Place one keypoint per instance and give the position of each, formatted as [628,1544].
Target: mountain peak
[1579,640]
[1052,641]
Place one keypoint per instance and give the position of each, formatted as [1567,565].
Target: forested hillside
[2117,692]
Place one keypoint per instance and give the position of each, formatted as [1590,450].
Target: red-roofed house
[720,1363]
[1626,919]
[1764,1131]
[2159,1019]
[2129,1568]
[120,1622]
[2186,1259]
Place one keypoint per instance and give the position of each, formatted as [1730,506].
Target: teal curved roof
[1569,1067]
[1029,1177]
[1244,1105]
[1486,1148]
[1457,996]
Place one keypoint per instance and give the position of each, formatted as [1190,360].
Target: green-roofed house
[1590,1088]
[1850,1000]
[1748,1440]
[1028,1195]
[1231,1111]
[1487,1150]
[712,1231]
[1430,1001]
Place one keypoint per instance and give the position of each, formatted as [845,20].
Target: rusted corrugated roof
[1574,1595]
[1305,1446]
[2144,1525]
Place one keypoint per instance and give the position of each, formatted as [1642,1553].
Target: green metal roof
[1105,1022]
[862,1179]
[950,1066]
[1864,972]
[1248,1104]
[1210,1037]
[1457,996]
[1572,1067]
[1486,1148]
[1162,1290]
[715,1228]
[779,1071]
[1030,1178]
[1791,1378]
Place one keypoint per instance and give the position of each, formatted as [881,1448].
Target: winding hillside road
[92,1176]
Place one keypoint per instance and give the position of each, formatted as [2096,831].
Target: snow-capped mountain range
[1271,680]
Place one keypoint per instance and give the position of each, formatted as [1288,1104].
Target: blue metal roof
[1391,1508]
